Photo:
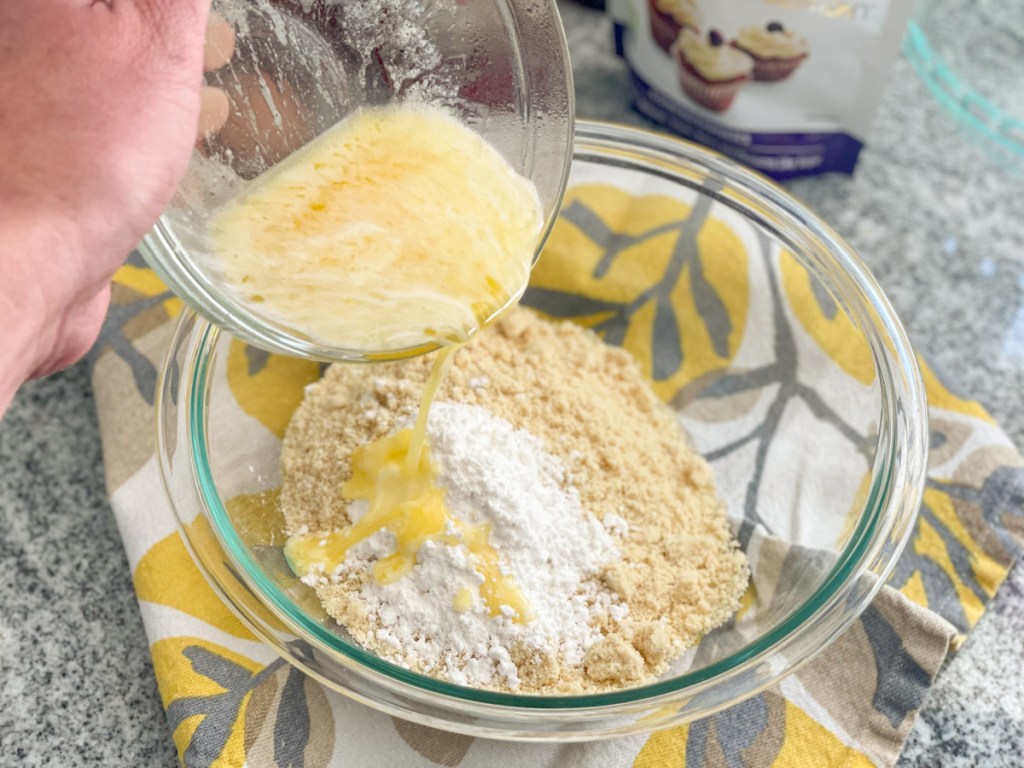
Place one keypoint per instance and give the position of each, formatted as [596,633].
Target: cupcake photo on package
[670,17]
[711,72]
[787,88]
[776,51]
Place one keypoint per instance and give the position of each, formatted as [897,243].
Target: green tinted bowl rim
[878,518]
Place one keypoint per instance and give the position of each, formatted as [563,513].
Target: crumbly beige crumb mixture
[680,573]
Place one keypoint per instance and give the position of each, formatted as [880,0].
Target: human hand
[99,104]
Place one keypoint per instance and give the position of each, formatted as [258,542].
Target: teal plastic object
[999,132]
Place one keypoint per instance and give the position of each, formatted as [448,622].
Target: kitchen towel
[613,262]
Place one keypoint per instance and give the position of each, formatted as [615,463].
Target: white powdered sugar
[552,547]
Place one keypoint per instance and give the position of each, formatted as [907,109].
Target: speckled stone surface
[939,224]
[76,681]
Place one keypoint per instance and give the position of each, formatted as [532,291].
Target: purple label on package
[785,87]
[779,155]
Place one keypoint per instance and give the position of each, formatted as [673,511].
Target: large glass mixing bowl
[841,516]
[501,66]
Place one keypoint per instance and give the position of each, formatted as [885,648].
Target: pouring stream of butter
[397,228]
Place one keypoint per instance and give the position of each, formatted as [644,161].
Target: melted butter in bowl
[399,227]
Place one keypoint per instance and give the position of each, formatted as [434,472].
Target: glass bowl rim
[884,508]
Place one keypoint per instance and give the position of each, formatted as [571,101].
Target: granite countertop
[935,219]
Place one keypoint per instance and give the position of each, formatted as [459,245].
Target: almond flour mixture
[553,443]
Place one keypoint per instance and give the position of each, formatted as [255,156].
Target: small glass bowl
[220,465]
[501,66]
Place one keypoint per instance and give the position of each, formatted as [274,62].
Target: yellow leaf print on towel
[651,274]
[825,320]
[749,733]
[144,282]
[167,576]
[940,397]
[205,689]
[268,387]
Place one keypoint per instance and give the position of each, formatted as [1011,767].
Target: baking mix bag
[785,86]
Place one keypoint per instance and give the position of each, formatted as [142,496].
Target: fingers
[213,111]
[217,51]
[220,43]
